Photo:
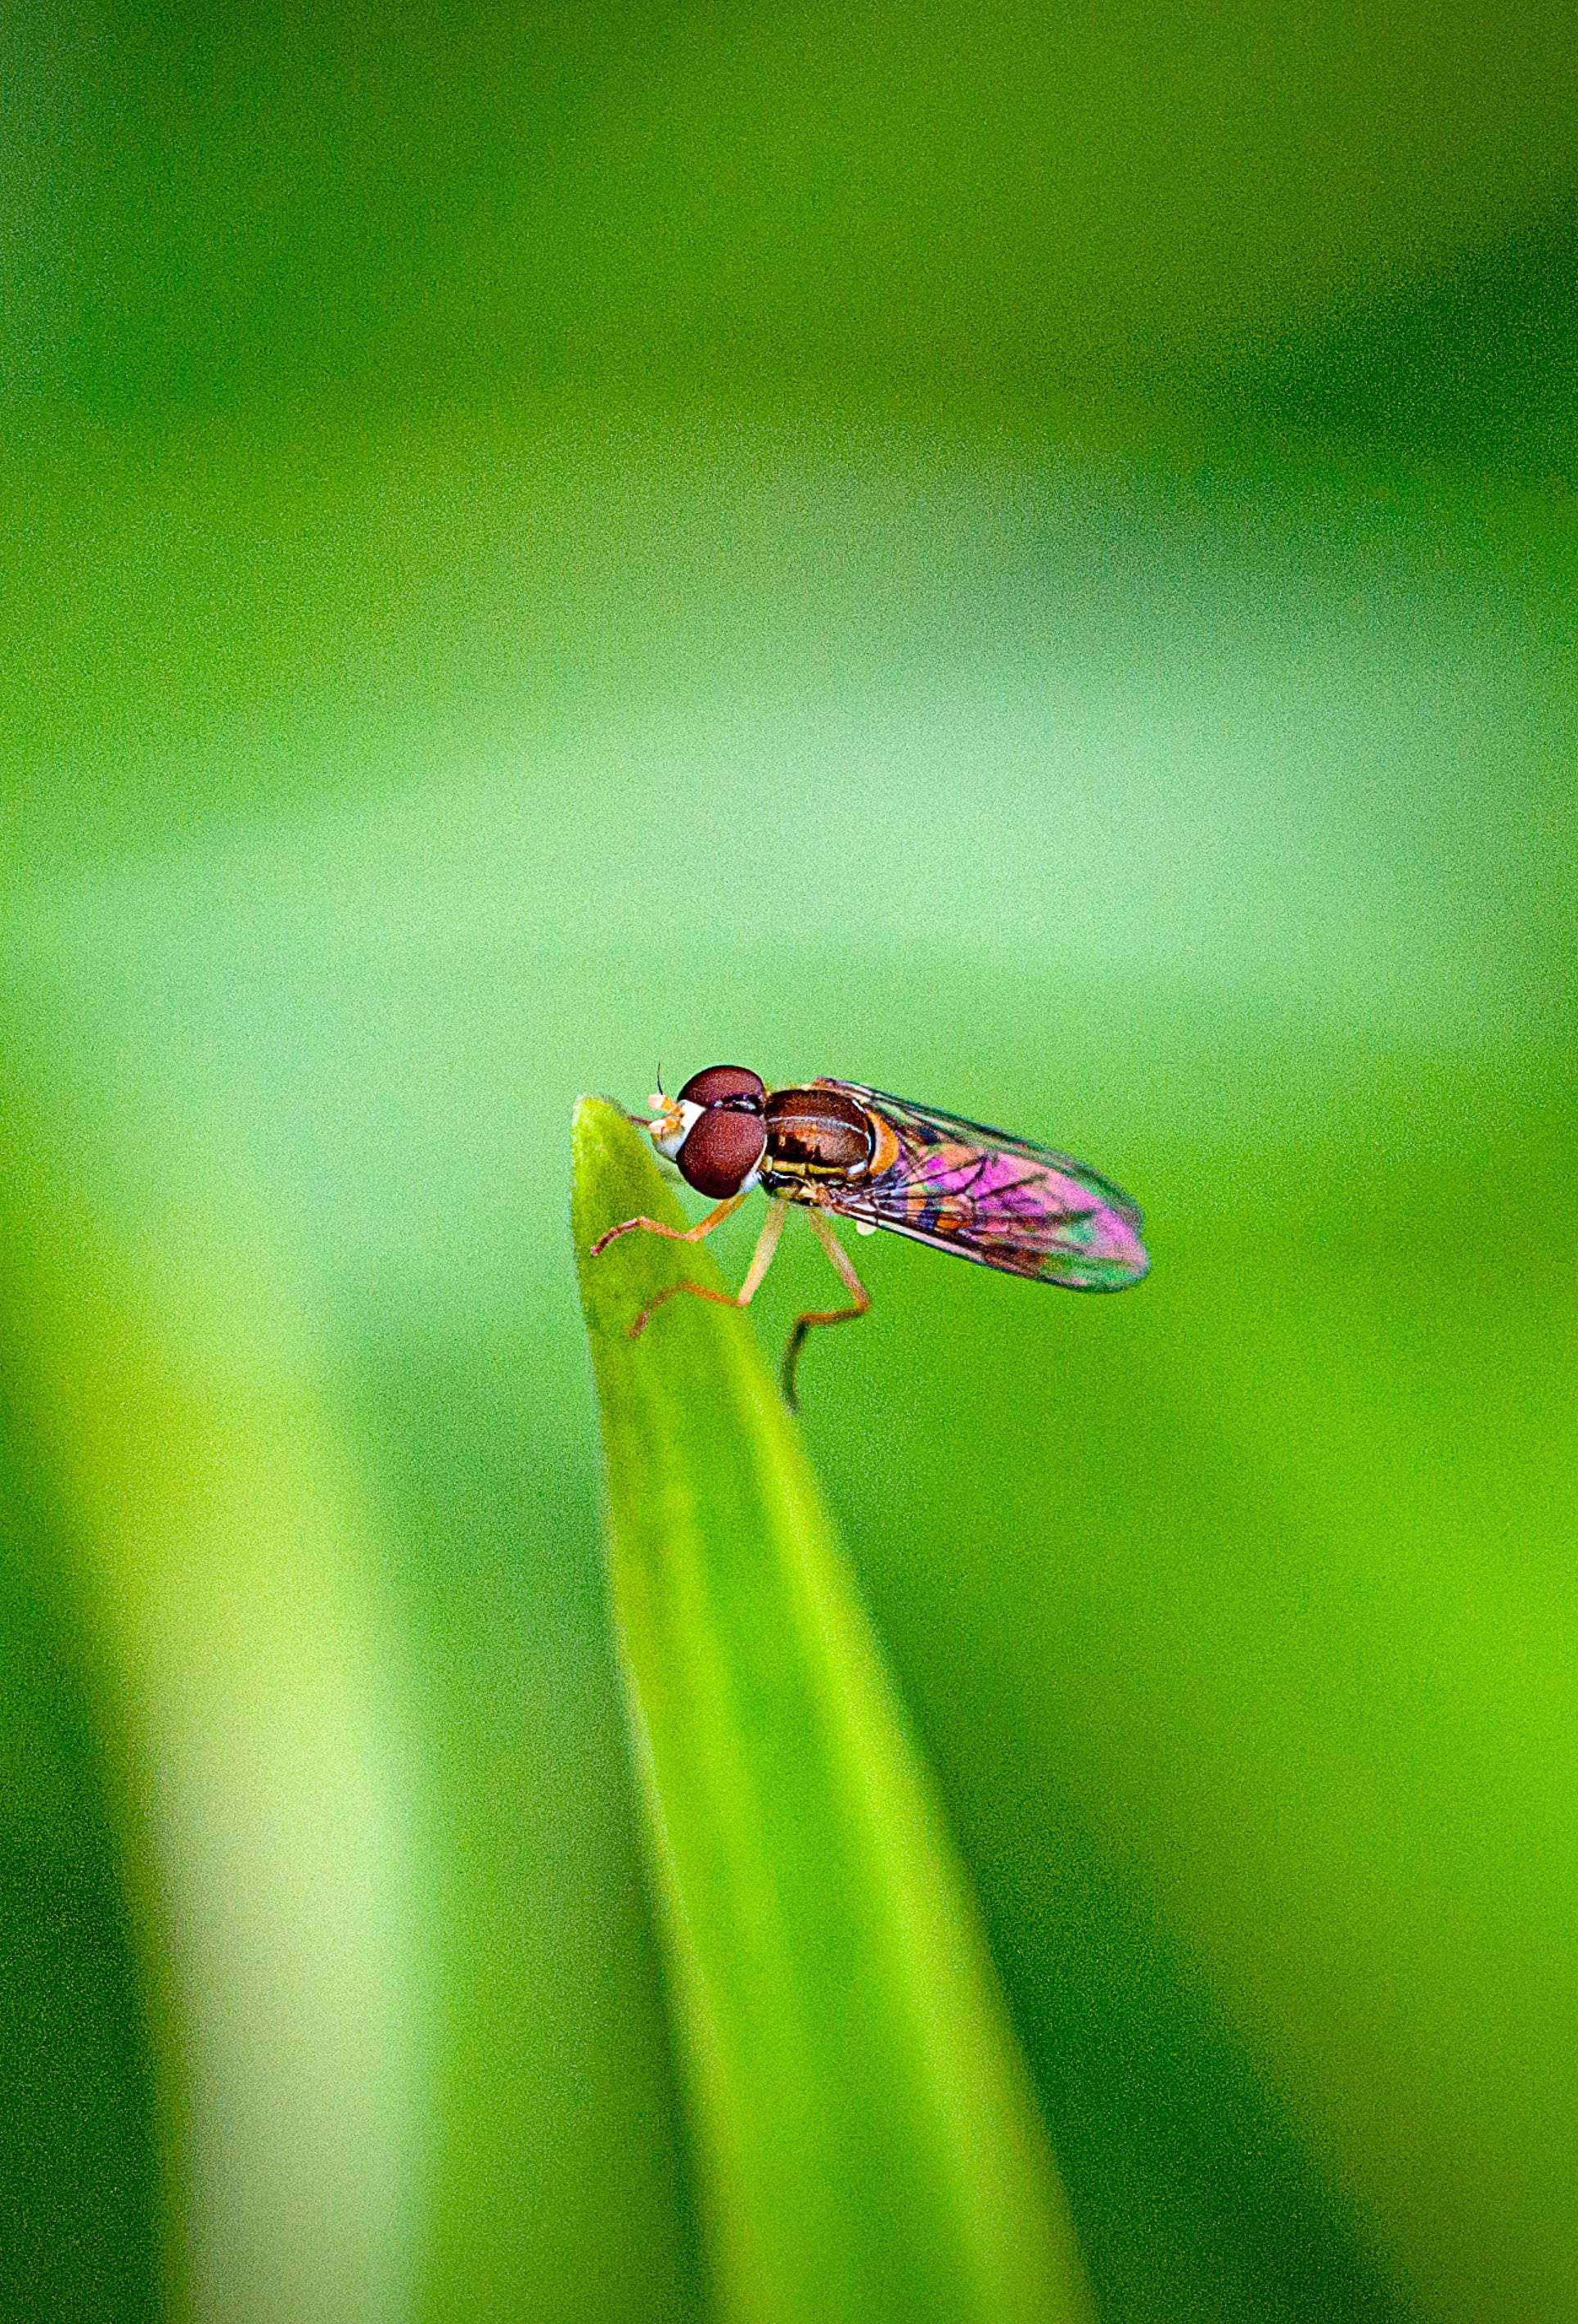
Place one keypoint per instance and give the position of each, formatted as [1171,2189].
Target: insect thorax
[815,1134]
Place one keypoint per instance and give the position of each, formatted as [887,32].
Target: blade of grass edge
[866,2136]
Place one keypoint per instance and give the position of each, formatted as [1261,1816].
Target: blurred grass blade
[867,2140]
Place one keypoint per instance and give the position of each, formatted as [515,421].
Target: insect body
[836,1147]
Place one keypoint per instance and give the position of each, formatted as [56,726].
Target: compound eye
[724,1085]
[721,1151]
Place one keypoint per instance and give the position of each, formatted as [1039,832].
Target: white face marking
[674,1125]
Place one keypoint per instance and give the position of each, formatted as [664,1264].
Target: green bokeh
[1032,567]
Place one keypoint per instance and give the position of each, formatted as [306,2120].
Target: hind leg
[852,1283]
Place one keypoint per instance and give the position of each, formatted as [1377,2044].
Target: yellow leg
[760,1260]
[851,1283]
[670,1234]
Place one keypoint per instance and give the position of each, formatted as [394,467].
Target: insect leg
[851,1283]
[670,1234]
[760,1260]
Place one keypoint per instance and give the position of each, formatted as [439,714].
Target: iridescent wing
[994,1198]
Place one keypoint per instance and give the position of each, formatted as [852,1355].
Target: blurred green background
[1027,560]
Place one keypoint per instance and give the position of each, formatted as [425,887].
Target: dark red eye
[721,1151]
[723,1085]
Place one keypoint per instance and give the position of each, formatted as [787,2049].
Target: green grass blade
[867,2141]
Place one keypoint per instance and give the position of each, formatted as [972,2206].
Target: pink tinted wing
[994,1198]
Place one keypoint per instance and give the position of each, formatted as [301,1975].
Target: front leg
[760,1260]
[670,1234]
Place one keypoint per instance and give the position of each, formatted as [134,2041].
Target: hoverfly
[881,1162]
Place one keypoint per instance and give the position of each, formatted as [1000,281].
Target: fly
[836,1147]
